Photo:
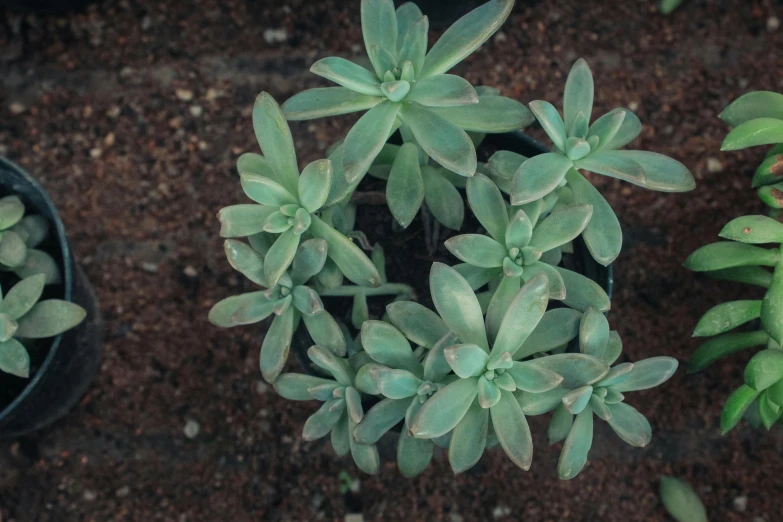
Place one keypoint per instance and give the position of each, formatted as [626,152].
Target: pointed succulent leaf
[512,430]
[582,292]
[772,308]
[727,316]
[768,173]
[360,311]
[759,131]
[682,503]
[573,456]
[576,400]
[414,45]
[280,256]
[341,437]
[488,393]
[443,90]
[630,425]
[457,305]
[661,173]
[465,36]
[503,164]
[754,230]
[266,191]
[477,250]
[242,309]
[296,386]
[23,296]
[49,318]
[242,220]
[364,455]
[560,227]
[768,411]
[443,199]
[499,303]
[39,262]
[407,14]
[488,206]
[560,425]
[245,260]
[276,345]
[476,276]
[366,139]
[519,231]
[380,419]
[753,105]
[729,254]
[578,95]
[614,347]
[309,260]
[577,369]
[328,101]
[348,257]
[469,438]
[253,163]
[538,403]
[277,223]
[556,328]
[386,345]
[14,358]
[405,187]
[443,411]
[531,377]
[413,455]
[11,211]
[550,120]
[606,128]
[614,164]
[395,91]
[321,422]
[418,323]
[365,377]
[314,184]
[436,367]
[724,345]
[347,74]
[379,24]
[307,301]
[492,114]
[764,369]
[602,235]
[396,384]
[275,140]
[466,360]
[444,141]
[648,373]
[593,333]
[523,314]
[736,406]
[539,176]
[13,250]
[616,375]
[338,367]
[599,407]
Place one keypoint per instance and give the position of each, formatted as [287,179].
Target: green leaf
[603,236]
[413,455]
[325,331]
[366,139]
[764,369]
[23,296]
[405,188]
[435,365]
[308,261]
[314,184]
[266,191]
[724,345]
[577,369]
[772,195]
[628,131]
[662,173]
[512,430]
[467,360]
[341,437]
[443,90]
[611,163]
[407,14]
[772,308]
[576,400]
[321,422]
[379,24]
[352,262]
[682,503]
[13,251]
[327,101]
[347,74]
[550,121]
[753,105]
[245,260]
[477,250]
[457,305]
[538,403]
[768,173]
[275,140]
[498,305]
[488,206]
[11,211]
[606,128]
[444,141]
[14,358]
[630,425]
[648,373]
[253,163]
[752,275]
[492,114]
[616,375]
[418,323]
[443,199]
[503,164]
[753,229]
[488,393]
[469,438]
[599,407]
[523,314]
[295,386]
[242,309]
[768,411]
[364,455]
[465,36]
[560,425]
[614,347]
[34,228]
[736,406]
[560,227]
[49,318]
[728,254]
[539,176]
[582,292]
[414,45]
[519,231]
[556,328]
[759,131]
[330,276]
[443,411]
[530,377]
[573,456]
[395,384]
[593,333]
[241,220]
[277,343]
[578,95]
[380,419]
[280,256]
[337,366]
[727,316]
[386,345]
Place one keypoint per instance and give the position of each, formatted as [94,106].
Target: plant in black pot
[49,332]
[516,329]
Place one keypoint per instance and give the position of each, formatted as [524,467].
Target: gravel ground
[132,115]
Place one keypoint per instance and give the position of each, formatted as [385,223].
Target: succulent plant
[682,503]
[579,145]
[757,119]
[408,88]
[24,317]
[19,235]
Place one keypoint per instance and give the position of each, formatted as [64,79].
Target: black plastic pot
[67,364]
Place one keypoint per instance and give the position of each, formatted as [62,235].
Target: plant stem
[384,289]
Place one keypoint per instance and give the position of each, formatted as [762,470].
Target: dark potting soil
[132,115]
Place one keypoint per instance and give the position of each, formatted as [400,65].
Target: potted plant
[510,332]
[751,254]
[49,333]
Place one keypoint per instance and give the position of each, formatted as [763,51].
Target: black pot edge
[90,329]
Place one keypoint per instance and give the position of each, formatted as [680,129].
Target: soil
[132,115]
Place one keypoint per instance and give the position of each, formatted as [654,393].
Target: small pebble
[196,110]
[501,511]
[455,517]
[275,36]
[96,153]
[773,23]
[109,139]
[354,517]
[123,491]
[113,112]
[152,268]
[90,495]
[741,503]
[261,387]
[714,165]
[633,105]
[17,108]
[184,94]
[146,23]
[191,429]
[500,37]
[190,271]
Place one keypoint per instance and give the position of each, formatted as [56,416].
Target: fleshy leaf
[277,343]
[386,345]
[724,345]
[603,236]
[443,90]
[578,95]
[753,105]
[522,316]
[556,328]
[366,139]
[760,131]
[242,220]
[327,101]
[477,250]
[492,114]
[23,296]
[583,292]
[560,227]
[314,184]
[443,411]
[577,369]
[275,140]
[347,74]
[728,254]
[466,360]
[488,206]
[444,141]
[379,24]
[418,323]
[352,262]
[539,176]
[457,305]
[682,503]
[550,121]
[14,358]
[443,199]
[379,419]
[630,425]
[661,173]
[727,316]
[242,309]
[533,378]
[405,187]
[764,369]
[469,438]
[512,430]
[573,456]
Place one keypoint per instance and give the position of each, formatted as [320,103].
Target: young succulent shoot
[581,146]
[342,407]
[19,235]
[24,317]
[682,503]
[752,254]
[409,87]
[288,203]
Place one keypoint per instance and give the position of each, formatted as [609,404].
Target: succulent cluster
[512,333]
[19,235]
[757,119]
